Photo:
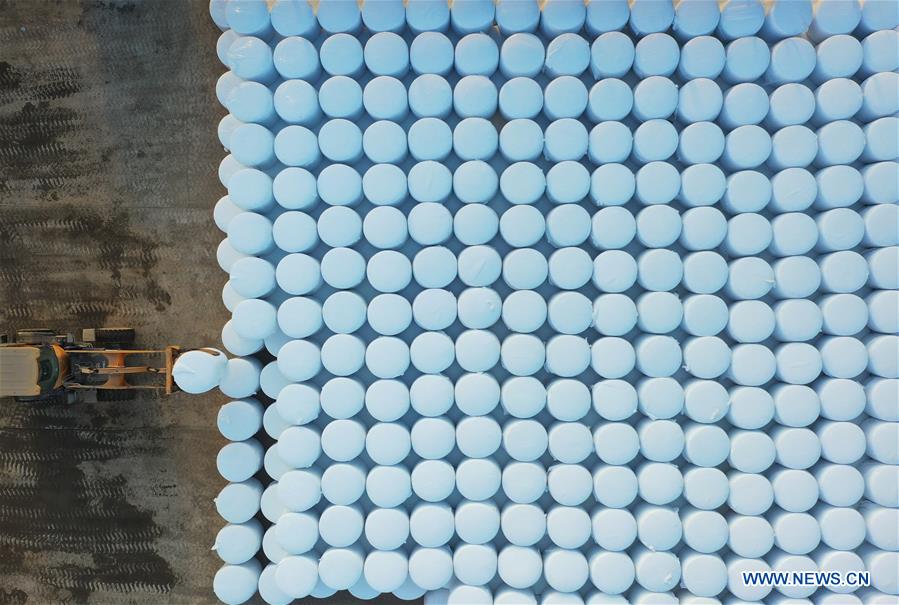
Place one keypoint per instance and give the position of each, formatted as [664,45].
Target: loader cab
[28,371]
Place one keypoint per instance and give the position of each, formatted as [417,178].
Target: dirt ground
[108,159]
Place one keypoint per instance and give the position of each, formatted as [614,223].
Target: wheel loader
[40,365]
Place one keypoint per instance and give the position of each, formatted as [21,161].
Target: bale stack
[559,303]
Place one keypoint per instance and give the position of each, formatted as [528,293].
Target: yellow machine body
[33,371]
